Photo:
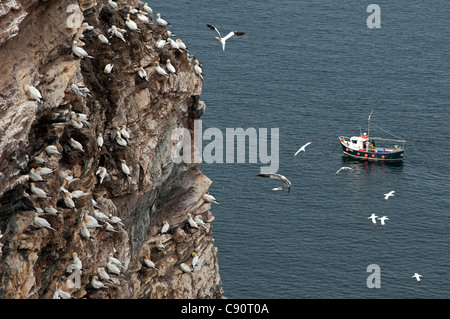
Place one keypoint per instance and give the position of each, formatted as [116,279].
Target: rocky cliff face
[35,49]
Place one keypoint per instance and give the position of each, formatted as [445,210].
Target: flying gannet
[343,168]
[417,276]
[374,219]
[224,39]
[302,149]
[391,193]
[286,182]
[382,219]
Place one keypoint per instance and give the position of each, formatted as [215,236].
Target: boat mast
[368,131]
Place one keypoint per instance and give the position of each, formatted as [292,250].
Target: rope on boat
[387,131]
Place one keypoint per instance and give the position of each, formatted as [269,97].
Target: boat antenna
[368,124]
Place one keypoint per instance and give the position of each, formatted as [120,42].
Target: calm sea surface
[315,70]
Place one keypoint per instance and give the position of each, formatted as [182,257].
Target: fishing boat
[366,147]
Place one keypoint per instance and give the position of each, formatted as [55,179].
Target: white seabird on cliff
[224,39]
[103,39]
[147,9]
[143,16]
[76,123]
[170,67]
[149,263]
[39,192]
[142,73]
[191,222]
[108,68]
[161,43]
[76,145]
[302,149]
[194,259]
[41,222]
[79,52]
[161,21]
[181,44]
[131,24]
[125,168]
[102,173]
[286,182]
[33,93]
[165,227]
[69,201]
[99,140]
[160,70]
[113,4]
[185,268]
[96,284]
[52,149]
[123,132]
[198,69]
[115,31]
[209,198]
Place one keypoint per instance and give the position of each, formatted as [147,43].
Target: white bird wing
[214,28]
[229,35]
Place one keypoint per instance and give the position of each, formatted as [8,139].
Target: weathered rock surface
[35,49]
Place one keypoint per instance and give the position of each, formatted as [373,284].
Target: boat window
[354,141]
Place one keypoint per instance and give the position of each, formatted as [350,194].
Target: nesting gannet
[345,167]
[86,26]
[161,21]
[52,149]
[110,227]
[39,192]
[76,145]
[382,219]
[113,4]
[99,140]
[114,260]
[170,67]
[198,69]
[103,39]
[142,73]
[38,159]
[286,182]
[91,222]
[191,222]
[78,194]
[161,43]
[198,219]
[125,168]
[35,176]
[51,210]
[160,70]
[147,9]
[79,52]
[75,89]
[33,93]
[61,294]
[209,198]
[84,231]
[224,39]
[82,87]
[132,25]
[170,33]
[68,201]
[96,284]
[143,17]
[160,246]
[123,132]
[185,268]
[165,227]
[77,262]
[132,10]
[173,44]
[76,123]
[194,259]
[103,274]
[102,173]
[100,215]
[115,31]
[113,269]
[108,68]
[80,116]
[41,222]
[181,44]
[115,220]
[374,219]
[121,141]
[391,193]
[149,263]
[417,276]
[302,149]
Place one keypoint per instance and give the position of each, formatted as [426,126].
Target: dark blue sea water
[315,70]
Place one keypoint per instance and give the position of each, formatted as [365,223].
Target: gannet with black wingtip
[114,31]
[160,246]
[209,198]
[198,69]
[87,27]
[343,168]
[114,260]
[84,231]
[123,132]
[198,219]
[143,17]
[161,21]
[149,263]
[391,193]
[161,43]
[91,222]
[132,10]
[185,268]
[224,39]
[39,192]
[78,193]
[417,276]
[100,215]
[96,284]
[173,44]
[33,93]
[382,219]
[76,123]
[51,210]
[302,149]
[79,52]
[68,201]
[35,176]
[286,182]
[142,73]
[41,222]
[113,269]
[119,139]
[44,170]
[115,220]
[191,222]
[131,24]
[110,227]
[61,294]
[170,67]
[160,70]
[125,168]
[181,44]
[103,274]
[374,219]
[76,145]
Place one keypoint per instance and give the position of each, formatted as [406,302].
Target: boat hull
[396,156]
